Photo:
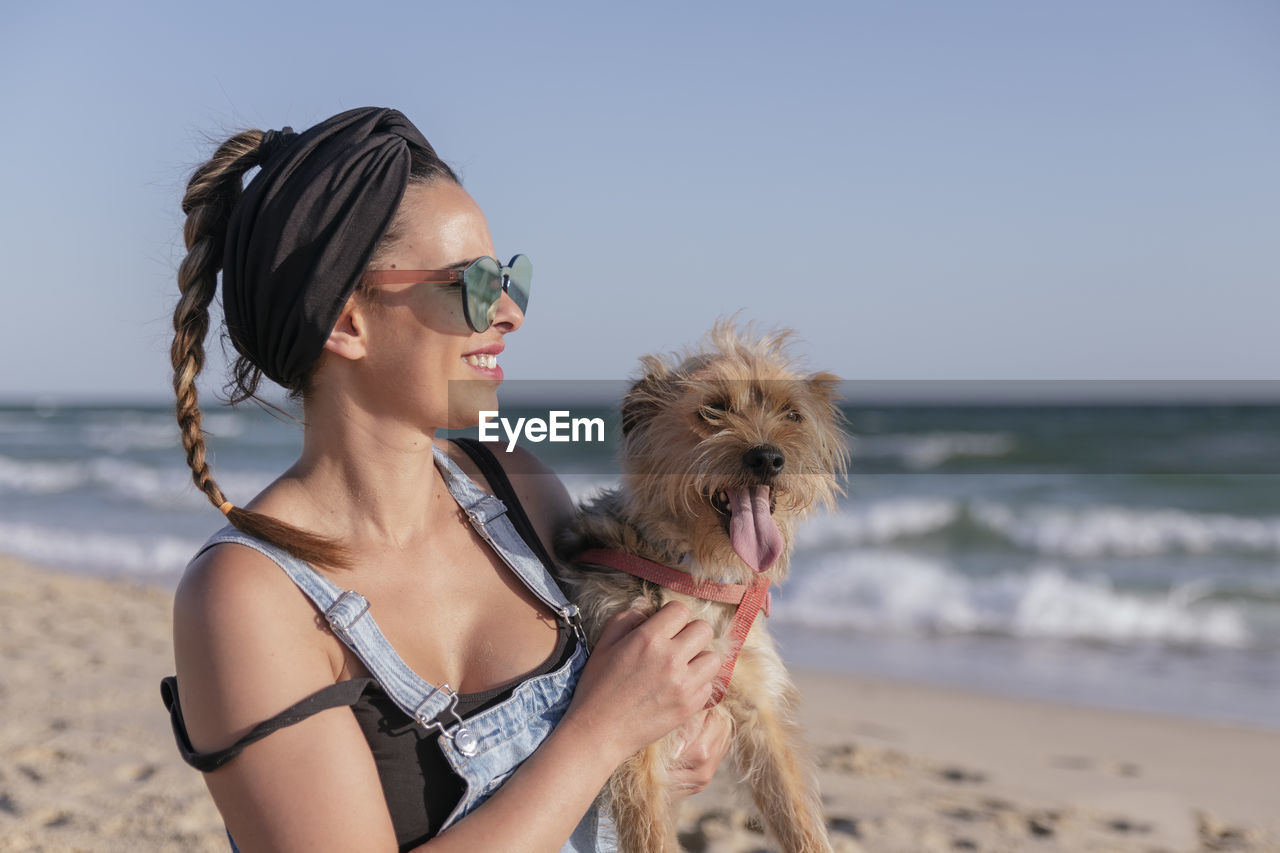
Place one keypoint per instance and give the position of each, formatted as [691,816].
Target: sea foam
[879,522]
[97,551]
[1078,532]
[1095,531]
[924,451]
[156,487]
[885,591]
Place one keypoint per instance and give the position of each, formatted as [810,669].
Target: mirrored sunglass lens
[483,289]
[520,272]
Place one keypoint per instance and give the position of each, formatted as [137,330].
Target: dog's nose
[765,461]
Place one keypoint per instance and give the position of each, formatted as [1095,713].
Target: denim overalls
[487,748]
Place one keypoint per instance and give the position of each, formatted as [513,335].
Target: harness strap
[749,598]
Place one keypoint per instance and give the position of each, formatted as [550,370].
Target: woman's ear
[350,335]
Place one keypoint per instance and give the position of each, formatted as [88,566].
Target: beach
[87,759]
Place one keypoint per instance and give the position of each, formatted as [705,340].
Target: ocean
[1107,555]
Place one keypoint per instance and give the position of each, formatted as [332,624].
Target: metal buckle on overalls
[573,616]
[462,738]
[485,510]
[340,626]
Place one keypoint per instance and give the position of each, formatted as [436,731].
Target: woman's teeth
[490,361]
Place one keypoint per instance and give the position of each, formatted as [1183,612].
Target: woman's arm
[249,644]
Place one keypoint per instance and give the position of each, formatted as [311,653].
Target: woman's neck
[365,478]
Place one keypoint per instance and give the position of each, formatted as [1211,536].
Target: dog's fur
[688,422]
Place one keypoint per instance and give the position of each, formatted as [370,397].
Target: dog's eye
[793,415]
[712,412]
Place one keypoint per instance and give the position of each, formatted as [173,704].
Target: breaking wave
[885,591]
[96,551]
[1081,532]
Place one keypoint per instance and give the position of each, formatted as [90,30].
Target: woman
[317,729]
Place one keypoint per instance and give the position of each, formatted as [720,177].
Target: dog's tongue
[752,532]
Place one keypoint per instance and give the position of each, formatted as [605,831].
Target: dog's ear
[649,393]
[825,386]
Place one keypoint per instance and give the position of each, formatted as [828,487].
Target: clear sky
[928,190]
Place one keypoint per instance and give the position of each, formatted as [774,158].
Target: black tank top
[420,787]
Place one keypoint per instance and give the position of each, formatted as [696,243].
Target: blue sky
[924,190]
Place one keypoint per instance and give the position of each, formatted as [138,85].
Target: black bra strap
[492,471]
[333,696]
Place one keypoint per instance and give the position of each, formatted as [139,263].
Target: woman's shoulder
[229,585]
[247,644]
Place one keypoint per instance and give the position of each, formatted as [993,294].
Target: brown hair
[210,197]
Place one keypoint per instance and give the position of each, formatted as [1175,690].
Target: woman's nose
[507,314]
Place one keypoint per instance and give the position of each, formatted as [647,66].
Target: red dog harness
[749,598]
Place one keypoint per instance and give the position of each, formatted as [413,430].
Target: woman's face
[423,360]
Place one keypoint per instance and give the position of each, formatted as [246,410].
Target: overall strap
[344,693]
[488,516]
[347,612]
[492,471]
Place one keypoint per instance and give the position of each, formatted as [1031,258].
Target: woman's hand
[701,746]
[646,677]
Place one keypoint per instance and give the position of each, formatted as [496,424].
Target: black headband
[305,228]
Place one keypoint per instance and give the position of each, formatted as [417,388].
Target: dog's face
[726,448]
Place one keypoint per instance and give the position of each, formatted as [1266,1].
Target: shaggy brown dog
[724,448]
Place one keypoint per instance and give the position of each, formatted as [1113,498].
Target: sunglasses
[484,281]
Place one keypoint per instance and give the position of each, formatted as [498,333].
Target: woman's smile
[484,361]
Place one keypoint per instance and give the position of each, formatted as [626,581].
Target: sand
[87,761]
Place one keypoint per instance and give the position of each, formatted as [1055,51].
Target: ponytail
[211,194]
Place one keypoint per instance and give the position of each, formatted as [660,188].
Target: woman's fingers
[706,665]
[669,620]
[696,634]
[619,626]
[702,744]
